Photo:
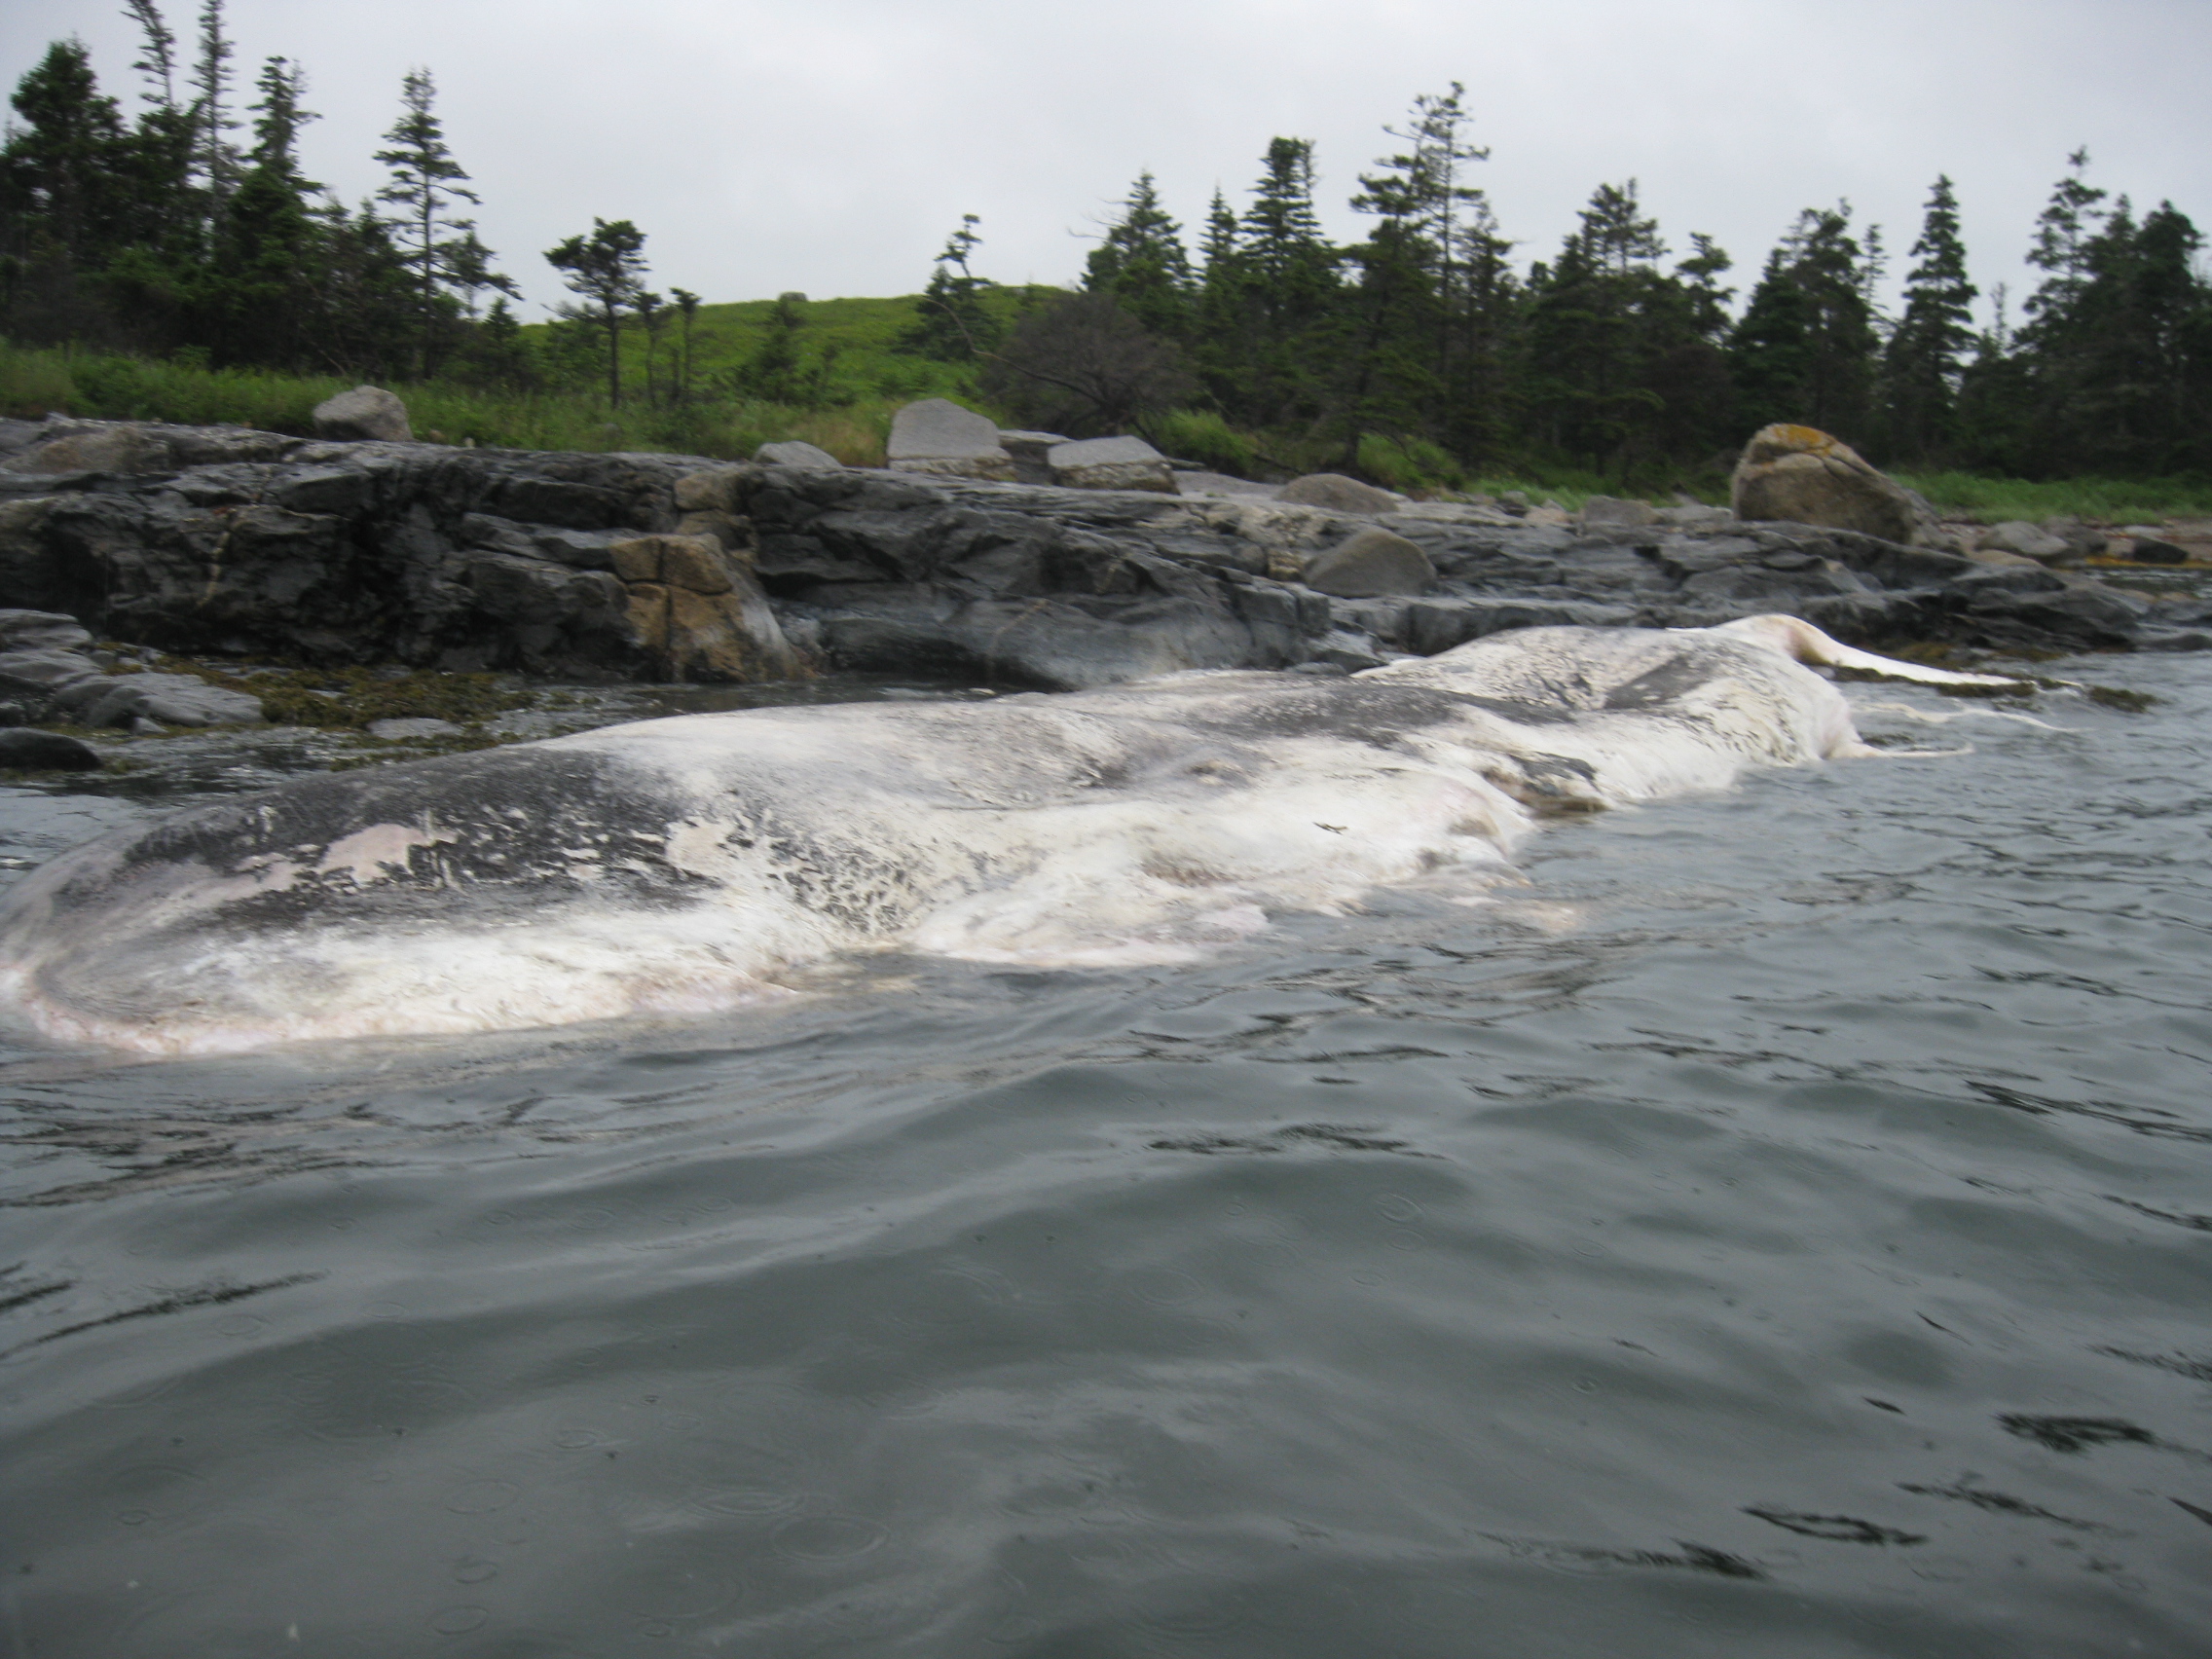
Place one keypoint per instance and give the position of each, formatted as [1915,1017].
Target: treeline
[1615,353]
[184,228]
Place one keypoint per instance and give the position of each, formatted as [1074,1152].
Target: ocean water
[1776,1223]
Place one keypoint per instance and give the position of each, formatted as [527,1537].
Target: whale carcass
[678,865]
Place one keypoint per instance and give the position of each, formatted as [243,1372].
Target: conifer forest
[172,223]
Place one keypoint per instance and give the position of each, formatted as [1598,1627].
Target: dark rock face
[370,552]
[223,540]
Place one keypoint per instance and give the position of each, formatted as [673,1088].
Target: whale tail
[1800,642]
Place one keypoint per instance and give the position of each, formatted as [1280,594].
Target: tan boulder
[700,613]
[709,492]
[1801,475]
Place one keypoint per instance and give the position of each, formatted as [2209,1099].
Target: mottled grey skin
[679,864]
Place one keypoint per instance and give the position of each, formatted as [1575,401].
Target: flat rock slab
[1110,464]
[1370,564]
[172,699]
[936,435]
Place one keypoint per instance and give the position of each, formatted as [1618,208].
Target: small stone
[366,412]
[2030,541]
[1370,564]
[1613,510]
[1694,515]
[41,631]
[173,699]
[1338,494]
[398,730]
[2149,552]
[796,453]
[23,749]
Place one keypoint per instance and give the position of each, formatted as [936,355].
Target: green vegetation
[150,267]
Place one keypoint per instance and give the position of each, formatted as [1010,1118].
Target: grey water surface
[1780,1226]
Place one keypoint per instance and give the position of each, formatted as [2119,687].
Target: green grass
[2108,501]
[101,386]
[845,353]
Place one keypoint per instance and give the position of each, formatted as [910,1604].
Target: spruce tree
[1619,374]
[1290,286]
[951,322]
[1806,347]
[1141,264]
[607,269]
[256,300]
[1927,353]
[439,247]
[213,154]
[159,64]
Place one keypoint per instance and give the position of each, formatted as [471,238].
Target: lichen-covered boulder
[1801,475]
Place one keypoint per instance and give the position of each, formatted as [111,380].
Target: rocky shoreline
[234,543]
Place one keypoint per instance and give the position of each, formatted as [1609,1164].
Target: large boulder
[1801,475]
[1110,464]
[1338,494]
[366,412]
[1370,564]
[936,435]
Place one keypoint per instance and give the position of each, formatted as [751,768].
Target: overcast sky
[829,146]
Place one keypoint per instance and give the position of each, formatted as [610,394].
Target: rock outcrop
[369,552]
[656,566]
[1801,475]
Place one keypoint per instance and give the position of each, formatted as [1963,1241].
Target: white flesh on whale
[679,866]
